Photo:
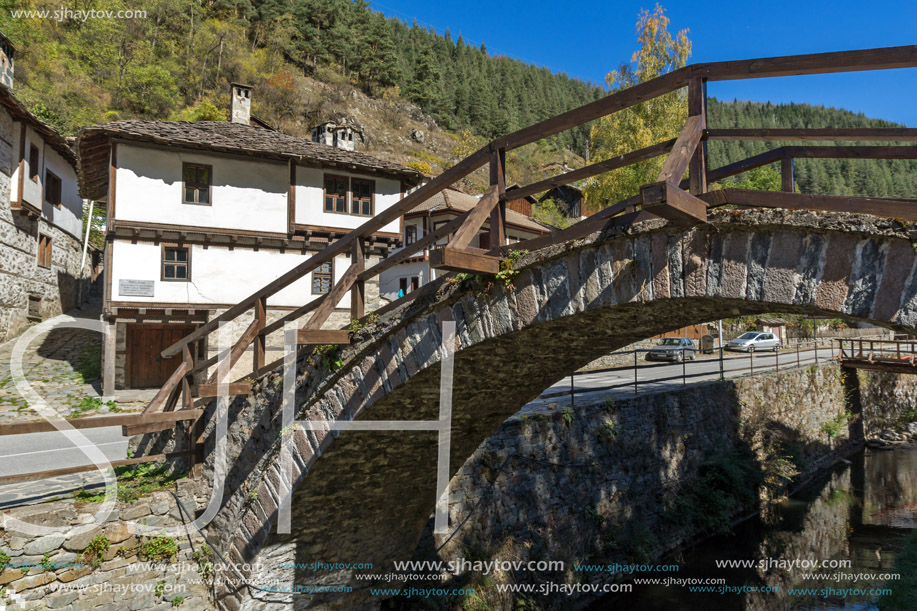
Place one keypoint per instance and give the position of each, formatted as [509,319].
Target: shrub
[159,548]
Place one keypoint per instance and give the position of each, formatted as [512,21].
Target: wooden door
[145,367]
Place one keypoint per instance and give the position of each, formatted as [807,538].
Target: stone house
[41,215]
[202,214]
[432,214]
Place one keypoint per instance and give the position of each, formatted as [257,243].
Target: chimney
[240,109]
[7,51]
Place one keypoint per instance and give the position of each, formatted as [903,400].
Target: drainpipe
[85,248]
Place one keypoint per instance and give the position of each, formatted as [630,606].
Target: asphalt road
[43,451]
[651,375]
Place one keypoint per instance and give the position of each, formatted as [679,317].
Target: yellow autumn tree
[647,123]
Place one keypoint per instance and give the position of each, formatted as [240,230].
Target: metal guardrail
[722,359]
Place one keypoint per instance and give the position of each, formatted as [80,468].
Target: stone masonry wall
[20,274]
[54,572]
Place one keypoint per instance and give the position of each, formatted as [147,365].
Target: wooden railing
[670,197]
[896,356]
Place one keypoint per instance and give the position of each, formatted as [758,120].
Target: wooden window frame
[49,178]
[318,275]
[410,230]
[354,200]
[346,193]
[34,162]
[186,262]
[197,187]
[45,249]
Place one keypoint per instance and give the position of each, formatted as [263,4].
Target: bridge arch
[367,496]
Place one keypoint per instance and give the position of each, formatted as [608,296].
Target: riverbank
[628,481]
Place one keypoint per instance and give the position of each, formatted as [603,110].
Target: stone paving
[64,366]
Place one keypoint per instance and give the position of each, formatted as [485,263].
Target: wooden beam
[594,169]
[40,475]
[475,219]
[498,213]
[862,134]
[166,391]
[211,390]
[358,289]
[319,337]
[260,339]
[409,251]
[238,349]
[890,366]
[685,145]
[464,261]
[787,178]
[333,297]
[672,203]
[755,161]
[697,106]
[883,58]
[95,422]
[850,152]
[890,208]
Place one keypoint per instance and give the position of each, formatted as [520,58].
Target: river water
[858,514]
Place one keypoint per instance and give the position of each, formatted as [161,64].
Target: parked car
[754,341]
[672,349]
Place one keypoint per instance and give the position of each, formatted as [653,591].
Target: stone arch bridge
[367,496]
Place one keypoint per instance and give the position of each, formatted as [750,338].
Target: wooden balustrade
[671,197]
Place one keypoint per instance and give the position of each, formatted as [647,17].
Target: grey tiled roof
[220,136]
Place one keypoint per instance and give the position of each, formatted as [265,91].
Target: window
[52,188]
[176,264]
[410,234]
[322,278]
[33,162]
[197,180]
[44,250]
[362,197]
[335,194]
[405,287]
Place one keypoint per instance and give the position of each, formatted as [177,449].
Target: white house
[203,214]
[41,216]
[436,212]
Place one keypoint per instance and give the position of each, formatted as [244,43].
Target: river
[856,517]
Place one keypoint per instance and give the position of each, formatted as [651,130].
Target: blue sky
[588,39]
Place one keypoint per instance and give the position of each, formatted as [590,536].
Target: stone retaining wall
[54,571]
[598,483]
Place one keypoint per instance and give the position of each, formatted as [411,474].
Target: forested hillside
[311,60]
[178,61]
[891,178]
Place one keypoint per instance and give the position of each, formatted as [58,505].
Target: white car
[754,341]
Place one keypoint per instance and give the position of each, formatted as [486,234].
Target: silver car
[672,349]
[754,341]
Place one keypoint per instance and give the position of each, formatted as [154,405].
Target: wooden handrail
[683,151]
[166,391]
[862,134]
[589,171]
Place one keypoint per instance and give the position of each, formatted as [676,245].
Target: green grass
[134,482]
[89,363]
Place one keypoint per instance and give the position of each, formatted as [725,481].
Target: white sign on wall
[135,288]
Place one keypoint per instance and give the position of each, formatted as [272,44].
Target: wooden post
[108,358]
[187,401]
[358,290]
[787,179]
[498,214]
[260,342]
[697,105]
